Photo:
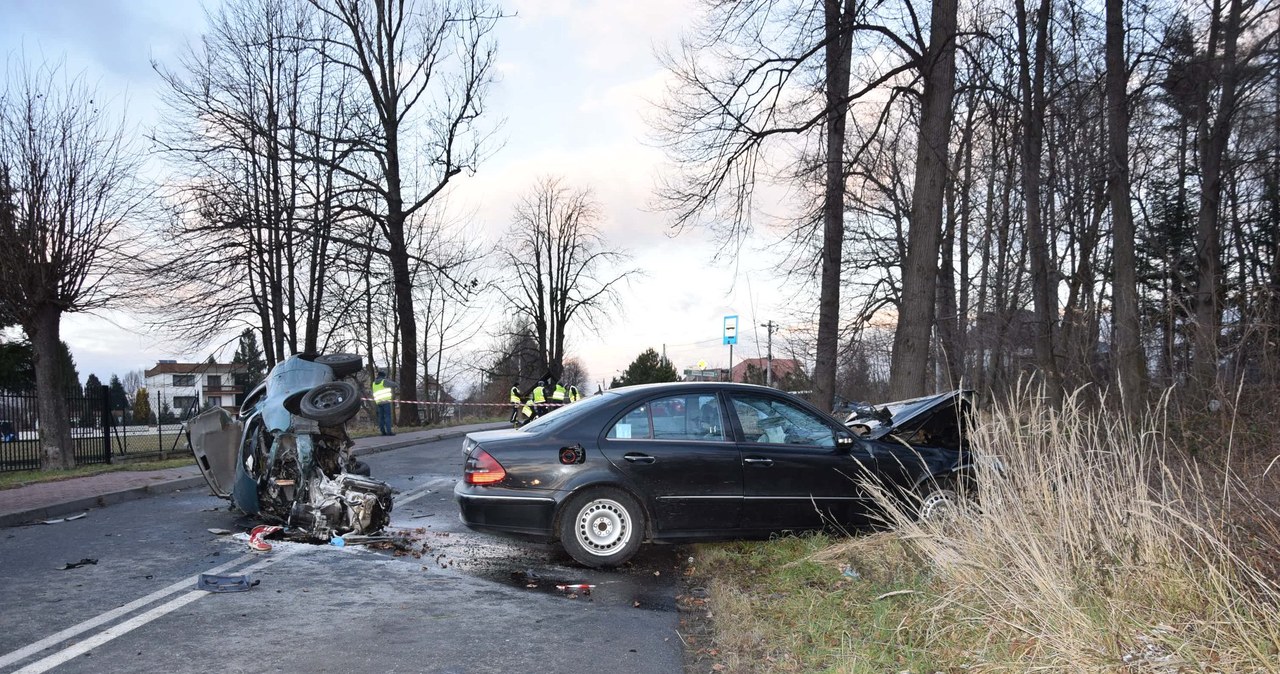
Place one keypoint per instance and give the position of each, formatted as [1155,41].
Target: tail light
[482,468]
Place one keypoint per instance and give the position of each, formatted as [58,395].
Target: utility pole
[769,327]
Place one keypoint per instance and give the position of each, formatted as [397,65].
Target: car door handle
[638,458]
[765,463]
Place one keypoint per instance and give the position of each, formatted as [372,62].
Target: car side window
[772,421]
[684,417]
[634,425]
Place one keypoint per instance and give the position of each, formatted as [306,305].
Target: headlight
[467,445]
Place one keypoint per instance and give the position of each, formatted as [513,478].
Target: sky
[576,81]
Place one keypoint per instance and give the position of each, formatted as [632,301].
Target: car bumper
[503,511]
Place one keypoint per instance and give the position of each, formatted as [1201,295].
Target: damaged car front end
[286,457]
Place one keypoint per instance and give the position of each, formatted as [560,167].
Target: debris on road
[213,583]
[75,565]
[66,519]
[219,532]
[258,537]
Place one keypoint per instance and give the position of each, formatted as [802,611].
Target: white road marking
[80,648]
[418,493]
[52,640]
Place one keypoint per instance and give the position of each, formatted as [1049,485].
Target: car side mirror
[844,440]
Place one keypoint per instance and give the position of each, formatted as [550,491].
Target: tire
[943,499]
[331,403]
[358,467]
[342,364]
[602,527]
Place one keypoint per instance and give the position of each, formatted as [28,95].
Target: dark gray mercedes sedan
[700,461]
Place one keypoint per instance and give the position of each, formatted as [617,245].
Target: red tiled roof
[195,368]
[781,367]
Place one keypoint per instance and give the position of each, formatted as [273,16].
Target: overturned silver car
[286,457]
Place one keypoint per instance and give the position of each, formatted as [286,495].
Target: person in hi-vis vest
[516,403]
[383,392]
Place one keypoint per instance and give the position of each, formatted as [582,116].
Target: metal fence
[100,434]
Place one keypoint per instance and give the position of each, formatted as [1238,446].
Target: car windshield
[566,413]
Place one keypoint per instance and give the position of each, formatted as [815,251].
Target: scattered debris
[75,565]
[66,519]
[258,537]
[220,532]
[582,588]
[896,593]
[337,542]
[214,583]
[849,572]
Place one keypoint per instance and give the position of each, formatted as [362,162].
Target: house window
[184,380]
[215,381]
[215,401]
[183,403]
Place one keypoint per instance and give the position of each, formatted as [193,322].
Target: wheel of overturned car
[602,527]
[331,403]
[342,364]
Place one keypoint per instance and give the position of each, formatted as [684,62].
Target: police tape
[506,404]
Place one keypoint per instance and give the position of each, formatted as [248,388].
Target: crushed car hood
[882,419]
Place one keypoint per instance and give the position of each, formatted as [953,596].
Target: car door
[675,452]
[801,469]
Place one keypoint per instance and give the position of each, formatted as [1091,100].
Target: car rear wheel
[331,403]
[342,364]
[602,527]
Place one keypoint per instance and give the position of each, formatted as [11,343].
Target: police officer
[539,398]
[382,395]
[559,395]
[574,396]
[516,402]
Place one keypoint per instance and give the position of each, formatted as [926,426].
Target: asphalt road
[450,601]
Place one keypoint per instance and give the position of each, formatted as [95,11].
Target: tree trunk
[1213,145]
[1130,362]
[1032,86]
[56,448]
[837,61]
[908,375]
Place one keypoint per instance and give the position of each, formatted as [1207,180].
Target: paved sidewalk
[48,500]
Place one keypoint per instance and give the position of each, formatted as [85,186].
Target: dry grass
[1094,547]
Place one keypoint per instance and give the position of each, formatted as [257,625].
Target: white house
[190,387]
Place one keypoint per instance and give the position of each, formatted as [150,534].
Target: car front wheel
[602,527]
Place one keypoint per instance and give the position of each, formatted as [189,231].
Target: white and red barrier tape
[429,402]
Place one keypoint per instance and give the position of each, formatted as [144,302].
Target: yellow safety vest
[381,392]
[538,395]
[515,396]
[574,396]
[558,394]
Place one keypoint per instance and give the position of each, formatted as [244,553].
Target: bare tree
[917,309]
[425,66]
[560,267]
[254,108]
[68,191]
[1130,362]
[745,85]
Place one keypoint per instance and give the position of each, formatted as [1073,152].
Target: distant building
[782,367]
[189,387]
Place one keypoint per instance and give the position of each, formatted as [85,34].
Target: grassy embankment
[1094,550]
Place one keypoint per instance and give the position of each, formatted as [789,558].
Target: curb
[408,442]
[36,515]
